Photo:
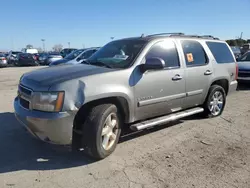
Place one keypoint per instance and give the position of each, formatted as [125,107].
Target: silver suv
[137,82]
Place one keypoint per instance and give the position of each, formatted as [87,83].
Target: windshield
[16,52]
[235,49]
[246,46]
[117,54]
[245,57]
[74,54]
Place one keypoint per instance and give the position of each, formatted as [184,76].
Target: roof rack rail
[182,35]
[201,36]
[166,34]
[210,36]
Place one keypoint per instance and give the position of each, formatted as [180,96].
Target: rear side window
[221,52]
[194,53]
[246,46]
[87,54]
[165,50]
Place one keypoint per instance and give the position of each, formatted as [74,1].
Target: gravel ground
[189,153]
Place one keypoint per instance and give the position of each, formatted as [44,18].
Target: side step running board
[165,119]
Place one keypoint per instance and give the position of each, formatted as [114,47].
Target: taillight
[237,71]
[3,58]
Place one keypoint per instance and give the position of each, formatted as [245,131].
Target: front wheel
[215,101]
[101,130]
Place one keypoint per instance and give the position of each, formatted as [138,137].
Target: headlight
[47,101]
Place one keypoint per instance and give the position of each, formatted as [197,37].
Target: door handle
[176,77]
[208,72]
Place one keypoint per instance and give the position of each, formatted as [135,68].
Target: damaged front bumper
[55,128]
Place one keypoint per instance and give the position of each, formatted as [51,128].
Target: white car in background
[76,57]
[3,60]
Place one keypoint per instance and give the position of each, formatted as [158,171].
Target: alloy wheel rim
[109,131]
[216,103]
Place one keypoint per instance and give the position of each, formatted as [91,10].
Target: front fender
[79,93]
[111,90]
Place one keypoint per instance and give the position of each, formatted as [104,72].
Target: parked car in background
[139,82]
[25,59]
[75,57]
[3,60]
[12,56]
[67,51]
[36,56]
[47,58]
[244,68]
[236,51]
[245,48]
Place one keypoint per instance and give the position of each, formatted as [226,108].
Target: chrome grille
[24,95]
[244,74]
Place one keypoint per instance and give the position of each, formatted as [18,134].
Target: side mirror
[153,63]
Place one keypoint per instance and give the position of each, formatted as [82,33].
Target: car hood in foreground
[244,65]
[52,75]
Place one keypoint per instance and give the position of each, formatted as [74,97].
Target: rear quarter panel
[222,70]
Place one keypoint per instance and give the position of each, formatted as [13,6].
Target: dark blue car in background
[244,68]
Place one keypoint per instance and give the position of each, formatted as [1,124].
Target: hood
[244,65]
[52,75]
[58,62]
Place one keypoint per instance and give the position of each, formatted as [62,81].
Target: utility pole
[43,40]
[241,35]
[69,44]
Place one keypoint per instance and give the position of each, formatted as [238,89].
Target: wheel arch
[223,82]
[121,103]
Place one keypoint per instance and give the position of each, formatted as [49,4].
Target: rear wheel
[101,130]
[215,101]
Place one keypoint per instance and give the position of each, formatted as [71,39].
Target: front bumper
[55,128]
[3,63]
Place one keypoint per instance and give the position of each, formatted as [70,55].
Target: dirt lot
[189,153]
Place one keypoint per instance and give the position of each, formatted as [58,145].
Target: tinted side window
[88,53]
[194,53]
[221,52]
[165,50]
[245,57]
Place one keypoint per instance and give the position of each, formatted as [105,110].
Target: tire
[209,111]
[94,143]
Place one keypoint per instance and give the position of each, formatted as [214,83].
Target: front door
[159,92]
[198,72]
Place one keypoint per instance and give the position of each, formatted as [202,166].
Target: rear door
[198,72]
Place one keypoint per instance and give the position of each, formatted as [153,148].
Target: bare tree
[57,47]
[39,49]
[29,46]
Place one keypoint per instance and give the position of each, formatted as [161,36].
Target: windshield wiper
[100,64]
[96,63]
[85,62]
